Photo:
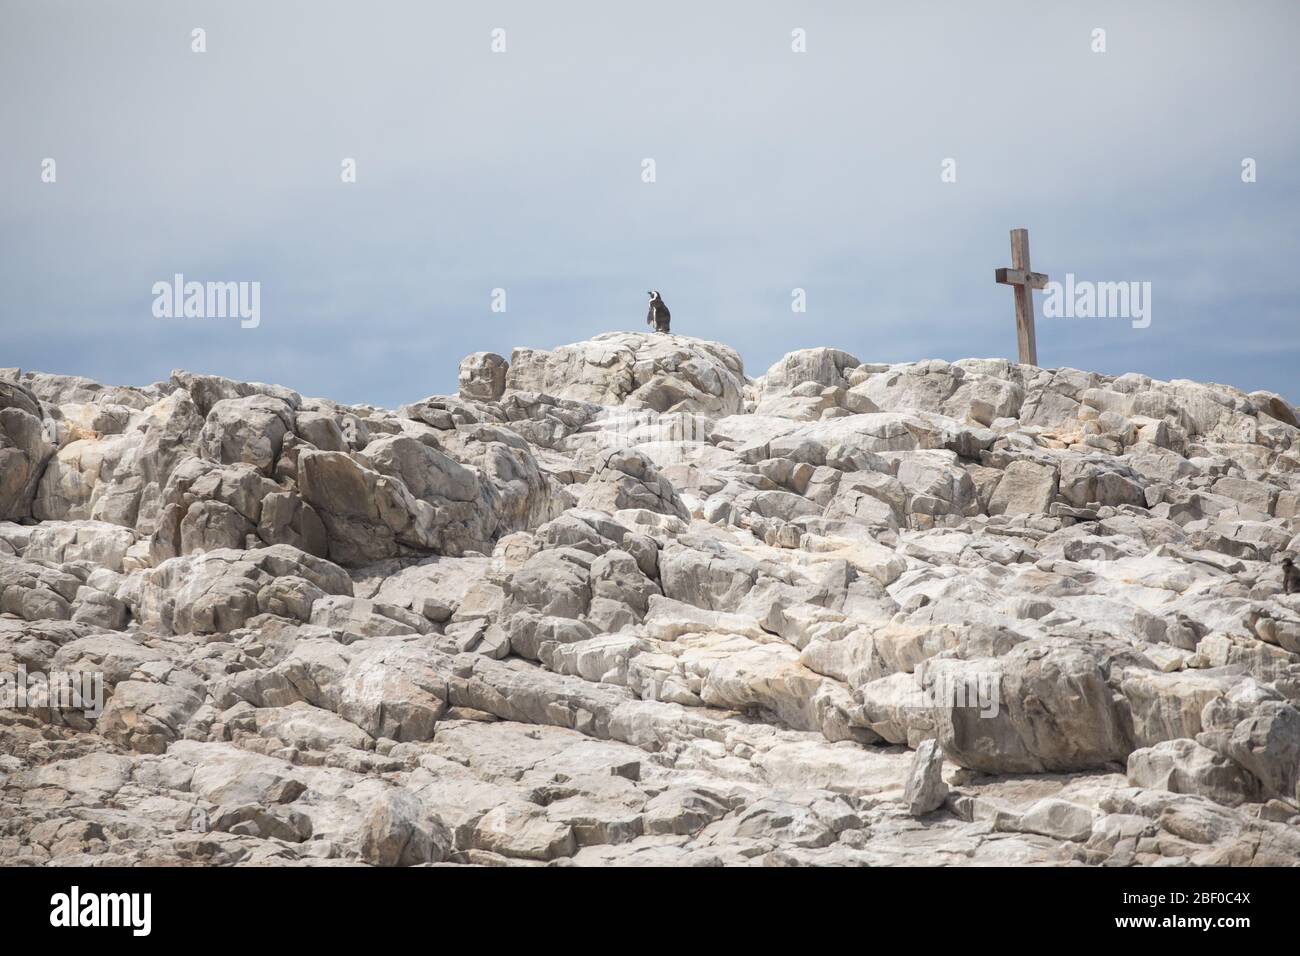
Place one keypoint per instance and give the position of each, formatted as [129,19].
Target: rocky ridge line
[620,603]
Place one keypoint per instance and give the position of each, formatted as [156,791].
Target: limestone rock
[624,478]
[1059,819]
[1026,487]
[617,604]
[398,831]
[26,444]
[483,376]
[1184,766]
[925,790]
[643,370]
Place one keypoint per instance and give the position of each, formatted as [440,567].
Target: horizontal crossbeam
[1035,280]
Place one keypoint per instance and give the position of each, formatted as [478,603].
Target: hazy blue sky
[522,170]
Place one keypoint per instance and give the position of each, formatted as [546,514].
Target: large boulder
[925,790]
[1268,745]
[1050,710]
[821,365]
[1184,766]
[26,444]
[626,478]
[483,376]
[218,591]
[1025,488]
[399,831]
[641,370]
[250,430]
[370,513]
[120,478]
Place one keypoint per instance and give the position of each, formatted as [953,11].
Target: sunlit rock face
[618,603]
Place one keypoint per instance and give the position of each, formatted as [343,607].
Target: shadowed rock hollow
[619,603]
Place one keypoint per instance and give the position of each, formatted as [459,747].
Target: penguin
[658,316]
[1290,577]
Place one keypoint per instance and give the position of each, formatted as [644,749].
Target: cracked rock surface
[620,604]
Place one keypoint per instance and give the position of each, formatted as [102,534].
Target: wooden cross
[1025,282]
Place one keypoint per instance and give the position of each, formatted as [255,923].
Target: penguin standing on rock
[658,316]
[1290,577]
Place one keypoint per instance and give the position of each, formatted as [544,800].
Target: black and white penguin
[658,316]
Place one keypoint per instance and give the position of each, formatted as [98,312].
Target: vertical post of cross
[1024,282]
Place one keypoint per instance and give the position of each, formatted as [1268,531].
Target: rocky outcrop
[666,373]
[483,377]
[618,603]
[26,444]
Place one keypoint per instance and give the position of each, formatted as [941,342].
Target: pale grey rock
[1026,487]
[26,445]
[1268,745]
[360,617]
[335,633]
[320,429]
[249,430]
[1059,819]
[925,790]
[626,478]
[369,515]
[287,519]
[306,728]
[274,823]
[483,376]
[714,579]
[36,592]
[208,390]
[523,831]
[119,478]
[209,525]
[100,609]
[683,810]
[146,716]
[218,591]
[662,372]
[398,831]
[95,542]
[822,366]
[1080,729]
[1184,766]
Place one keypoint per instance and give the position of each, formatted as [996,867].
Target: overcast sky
[522,170]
